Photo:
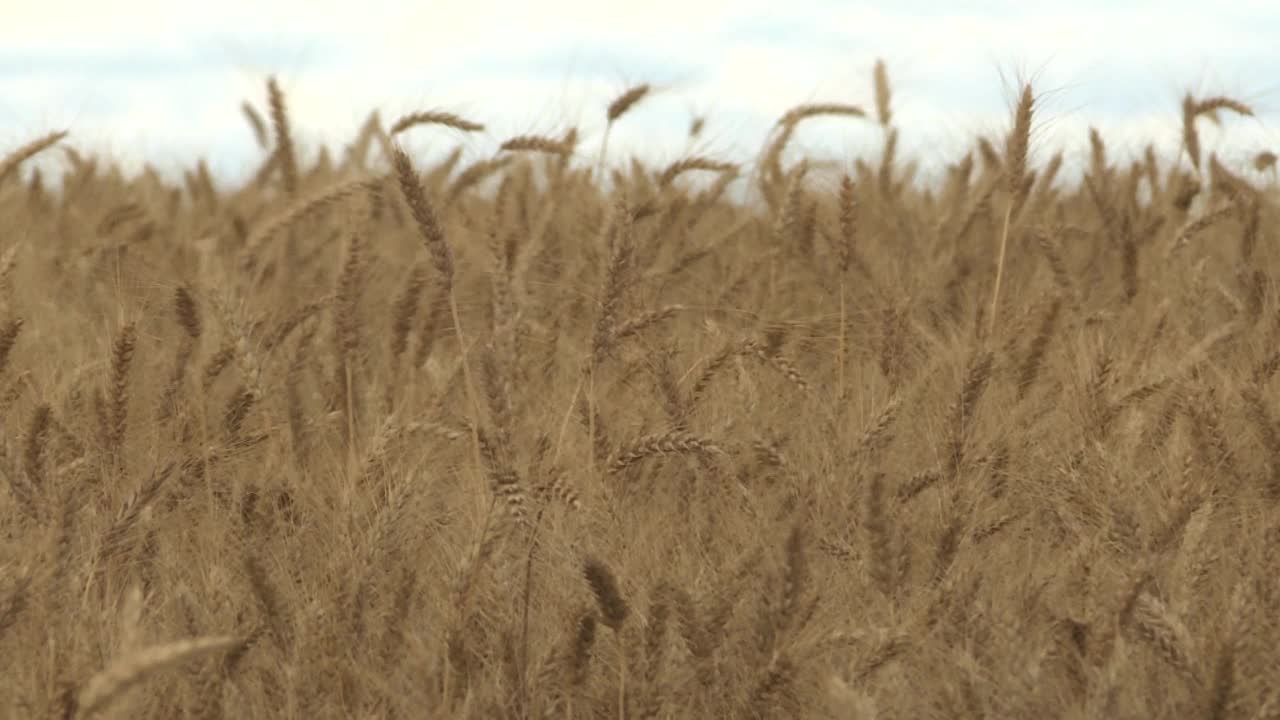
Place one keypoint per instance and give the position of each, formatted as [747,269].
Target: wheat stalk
[1015,170]
[108,685]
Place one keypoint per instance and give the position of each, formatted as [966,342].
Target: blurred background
[140,81]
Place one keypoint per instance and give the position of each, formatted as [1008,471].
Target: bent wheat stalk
[106,686]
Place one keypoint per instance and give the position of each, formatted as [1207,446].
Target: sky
[162,82]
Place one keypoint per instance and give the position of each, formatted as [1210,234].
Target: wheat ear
[619,107]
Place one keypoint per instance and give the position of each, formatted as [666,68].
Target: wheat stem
[1004,246]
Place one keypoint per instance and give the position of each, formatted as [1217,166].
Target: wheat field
[552,434]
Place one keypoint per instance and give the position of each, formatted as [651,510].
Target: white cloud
[164,81]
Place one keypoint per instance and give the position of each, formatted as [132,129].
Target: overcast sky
[162,81]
